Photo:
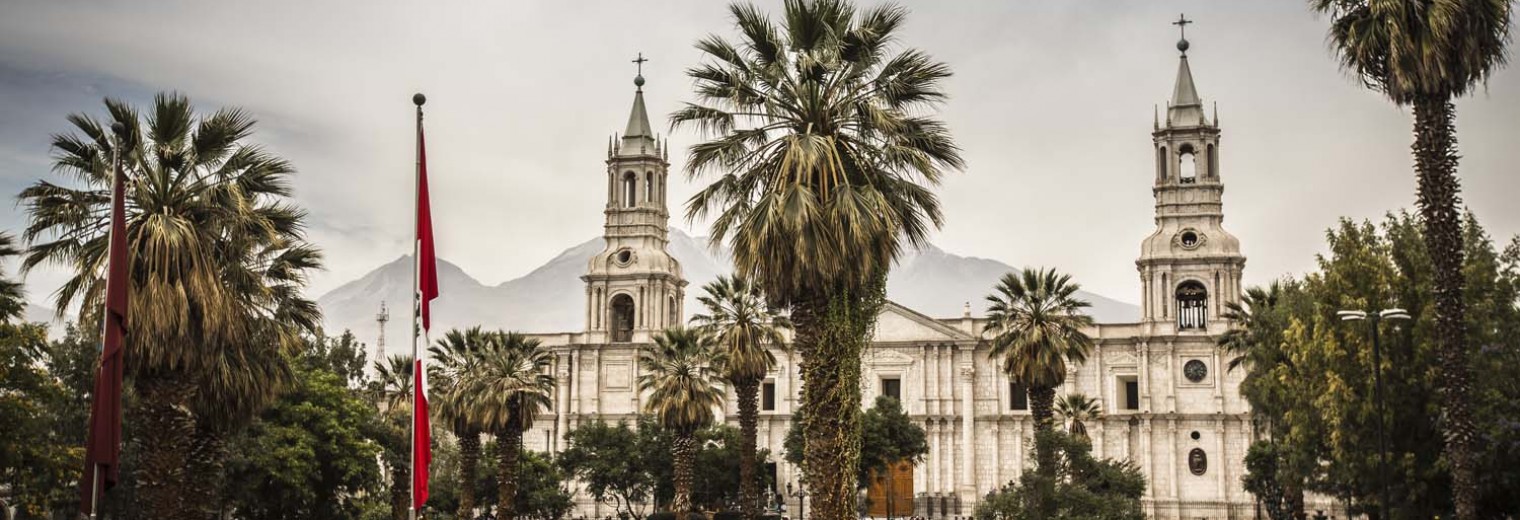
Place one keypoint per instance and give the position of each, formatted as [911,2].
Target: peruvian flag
[427,291]
[102,450]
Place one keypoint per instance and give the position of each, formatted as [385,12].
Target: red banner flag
[427,261]
[102,451]
[427,290]
[422,441]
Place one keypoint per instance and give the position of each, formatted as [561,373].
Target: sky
[1052,103]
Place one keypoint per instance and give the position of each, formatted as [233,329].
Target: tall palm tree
[1255,329]
[1036,323]
[1078,409]
[745,329]
[12,300]
[456,355]
[391,390]
[508,387]
[218,262]
[824,150]
[678,373]
[1424,53]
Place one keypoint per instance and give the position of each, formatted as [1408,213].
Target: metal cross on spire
[640,62]
[1182,23]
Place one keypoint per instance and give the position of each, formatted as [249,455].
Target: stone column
[562,404]
[947,431]
[968,430]
[931,380]
[1144,374]
[1145,456]
[1221,460]
[1176,470]
[997,453]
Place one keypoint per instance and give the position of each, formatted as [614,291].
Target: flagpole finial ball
[419,99]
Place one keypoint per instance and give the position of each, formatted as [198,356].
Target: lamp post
[801,495]
[1374,318]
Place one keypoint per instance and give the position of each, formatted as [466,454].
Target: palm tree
[507,388]
[1423,54]
[1036,323]
[745,329]
[391,390]
[457,354]
[823,153]
[12,300]
[678,373]
[219,261]
[1254,342]
[1078,409]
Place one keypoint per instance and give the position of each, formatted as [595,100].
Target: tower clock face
[1195,371]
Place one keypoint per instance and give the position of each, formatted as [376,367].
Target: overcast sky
[1052,102]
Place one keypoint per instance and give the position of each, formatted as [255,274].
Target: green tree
[1037,327]
[455,356]
[1078,409]
[606,459]
[889,438]
[746,328]
[508,386]
[38,464]
[308,455]
[676,371]
[542,493]
[1083,488]
[823,149]
[1423,54]
[391,391]
[12,299]
[219,264]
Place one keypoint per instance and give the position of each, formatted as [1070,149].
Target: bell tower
[634,287]
[1190,266]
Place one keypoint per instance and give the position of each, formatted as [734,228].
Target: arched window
[630,189]
[1192,306]
[1161,163]
[675,315]
[1187,166]
[648,186]
[622,318]
[1213,162]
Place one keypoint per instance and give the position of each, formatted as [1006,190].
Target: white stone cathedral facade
[1167,402]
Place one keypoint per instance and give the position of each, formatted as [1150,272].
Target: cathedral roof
[638,139]
[1185,108]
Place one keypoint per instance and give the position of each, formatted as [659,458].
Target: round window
[624,256]
[1195,370]
[1190,239]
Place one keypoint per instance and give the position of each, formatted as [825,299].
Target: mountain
[551,298]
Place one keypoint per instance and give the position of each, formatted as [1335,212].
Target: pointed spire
[1185,108]
[638,138]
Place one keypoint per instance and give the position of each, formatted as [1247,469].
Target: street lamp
[1373,319]
[800,494]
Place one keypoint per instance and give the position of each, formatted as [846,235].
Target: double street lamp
[1374,318]
[801,495]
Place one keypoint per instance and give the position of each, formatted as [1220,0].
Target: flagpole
[117,128]
[417,99]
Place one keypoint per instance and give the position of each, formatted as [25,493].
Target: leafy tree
[455,356]
[308,455]
[746,329]
[889,437]
[1037,326]
[507,387]
[1078,409]
[391,391]
[38,464]
[219,263]
[606,459]
[542,493]
[677,373]
[823,151]
[1423,54]
[1083,487]
[12,300]
[343,355]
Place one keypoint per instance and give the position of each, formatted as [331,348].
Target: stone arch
[1192,305]
[621,312]
[1187,164]
[1212,160]
[630,189]
[648,186]
[1161,163]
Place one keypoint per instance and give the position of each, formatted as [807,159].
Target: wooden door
[892,495]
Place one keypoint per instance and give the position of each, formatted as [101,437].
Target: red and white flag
[427,290]
[102,450]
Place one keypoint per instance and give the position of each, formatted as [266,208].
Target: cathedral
[1168,403]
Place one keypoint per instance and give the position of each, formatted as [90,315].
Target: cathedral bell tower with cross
[1190,267]
[634,287]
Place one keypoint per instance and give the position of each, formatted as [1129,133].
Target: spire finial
[1182,23]
[638,81]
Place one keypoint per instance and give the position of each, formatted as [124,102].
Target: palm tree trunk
[401,491]
[1041,404]
[469,461]
[1435,158]
[208,453]
[684,451]
[508,448]
[749,417]
[829,338]
[163,446]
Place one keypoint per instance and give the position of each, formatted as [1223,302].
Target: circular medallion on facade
[1198,461]
[1189,239]
[1195,370]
